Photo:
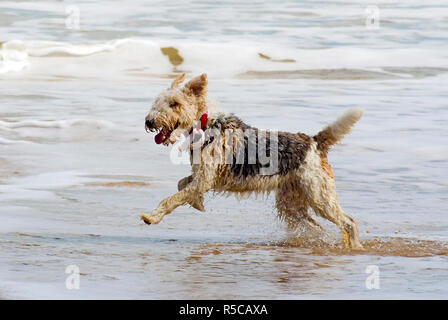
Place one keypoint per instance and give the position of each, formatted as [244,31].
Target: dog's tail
[334,132]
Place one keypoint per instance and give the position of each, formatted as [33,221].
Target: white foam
[13,61]
[68,130]
[5,141]
[139,57]
[48,48]
[57,124]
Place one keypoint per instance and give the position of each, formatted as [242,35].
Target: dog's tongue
[162,136]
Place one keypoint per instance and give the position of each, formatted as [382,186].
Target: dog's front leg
[184,182]
[193,193]
[198,202]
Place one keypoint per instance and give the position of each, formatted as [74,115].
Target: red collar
[203,120]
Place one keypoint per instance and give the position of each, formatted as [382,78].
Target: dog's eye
[174,104]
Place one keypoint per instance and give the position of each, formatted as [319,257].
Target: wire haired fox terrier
[229,156]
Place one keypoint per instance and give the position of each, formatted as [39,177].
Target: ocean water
[77,167]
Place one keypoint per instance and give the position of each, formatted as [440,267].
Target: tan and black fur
[303,180]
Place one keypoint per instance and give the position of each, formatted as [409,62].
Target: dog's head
[177,108]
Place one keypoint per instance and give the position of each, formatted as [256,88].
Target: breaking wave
[144,58]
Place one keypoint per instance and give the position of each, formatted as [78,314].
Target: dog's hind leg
[319,188]
[293,209]
[327,207]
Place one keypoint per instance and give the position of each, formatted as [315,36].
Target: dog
[302,179]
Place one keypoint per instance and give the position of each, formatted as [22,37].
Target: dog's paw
[358,247]
[151,218]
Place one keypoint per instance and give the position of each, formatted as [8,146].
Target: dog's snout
[149,123]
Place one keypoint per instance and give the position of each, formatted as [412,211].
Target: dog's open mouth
[164,134]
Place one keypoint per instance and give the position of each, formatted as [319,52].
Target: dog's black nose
[149,123]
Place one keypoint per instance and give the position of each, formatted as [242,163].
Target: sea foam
[139,57]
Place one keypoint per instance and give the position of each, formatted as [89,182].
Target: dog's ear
[178,81]
[197,85]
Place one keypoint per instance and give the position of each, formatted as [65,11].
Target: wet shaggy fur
[292,148]
[303,179]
